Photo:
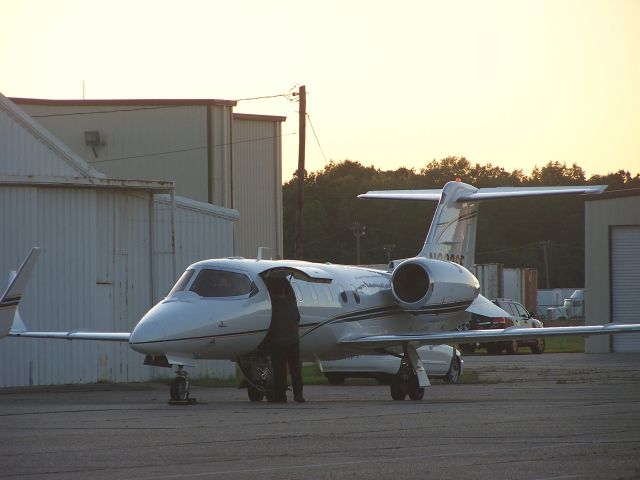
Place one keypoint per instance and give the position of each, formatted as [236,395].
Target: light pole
[358,231]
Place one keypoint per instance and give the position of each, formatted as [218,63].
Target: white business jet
[221,308]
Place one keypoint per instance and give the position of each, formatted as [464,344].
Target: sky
[395,84]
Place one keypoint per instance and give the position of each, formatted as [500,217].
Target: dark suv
[518,315]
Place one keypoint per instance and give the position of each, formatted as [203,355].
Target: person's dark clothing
[280,358]
[284,344]
[284,323]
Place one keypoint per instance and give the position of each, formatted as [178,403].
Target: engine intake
[420,282]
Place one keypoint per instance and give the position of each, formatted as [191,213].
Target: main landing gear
[258,377]
[411,378]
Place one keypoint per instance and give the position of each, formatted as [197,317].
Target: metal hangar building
[112,248]
[612,267]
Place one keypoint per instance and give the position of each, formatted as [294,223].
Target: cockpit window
[182,281]
[220,283]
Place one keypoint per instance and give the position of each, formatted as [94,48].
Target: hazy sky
[514,83]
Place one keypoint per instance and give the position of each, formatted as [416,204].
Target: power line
[182,150]
[288,96]
[115,110]
[316,137]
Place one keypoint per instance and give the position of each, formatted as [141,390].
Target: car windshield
[221,283]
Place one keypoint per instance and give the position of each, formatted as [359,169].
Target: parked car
[519,316]
[439,361]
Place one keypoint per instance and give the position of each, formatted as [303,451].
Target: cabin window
[342,294]
[356,295]
[314,293]
[221,283]
[296,288]
[182,281]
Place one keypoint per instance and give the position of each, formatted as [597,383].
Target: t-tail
[452,234]
[13,294]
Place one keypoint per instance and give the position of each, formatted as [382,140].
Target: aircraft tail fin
[452,234]
[10,299]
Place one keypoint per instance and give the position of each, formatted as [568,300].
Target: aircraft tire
[397,389]
[416,392]
[512,347]
[179,390]
[539,346]
[255,395]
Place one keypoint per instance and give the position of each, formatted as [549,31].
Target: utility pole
[388,249]
[302,122]
[544,244]
[358,231]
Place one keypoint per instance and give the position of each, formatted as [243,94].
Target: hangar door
[625,284]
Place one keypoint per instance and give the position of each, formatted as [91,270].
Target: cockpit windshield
[221,283]
[182,281]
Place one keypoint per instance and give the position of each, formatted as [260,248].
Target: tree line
[514,232]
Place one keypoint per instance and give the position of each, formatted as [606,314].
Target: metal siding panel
[18,212]
[257,186]
[159,144]
[599,216]
[625,284]
[199,236]
[23,153]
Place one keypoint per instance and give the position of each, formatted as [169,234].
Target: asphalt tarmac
[550,416]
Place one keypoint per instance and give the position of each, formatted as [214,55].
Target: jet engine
[423,284]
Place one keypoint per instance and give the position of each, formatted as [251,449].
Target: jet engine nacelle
[420,282]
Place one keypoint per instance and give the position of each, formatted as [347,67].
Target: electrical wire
[317,140]
[182,150]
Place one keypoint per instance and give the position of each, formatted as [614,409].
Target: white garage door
[625,284]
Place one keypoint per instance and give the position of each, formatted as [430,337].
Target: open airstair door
[306,274]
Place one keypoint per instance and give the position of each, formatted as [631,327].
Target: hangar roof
[606,195]
[125,102]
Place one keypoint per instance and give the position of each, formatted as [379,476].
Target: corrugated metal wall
[95,272]
[164,143]
[25,150]
[257,169]
[600,216]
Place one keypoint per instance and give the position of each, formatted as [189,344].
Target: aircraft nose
[147,332]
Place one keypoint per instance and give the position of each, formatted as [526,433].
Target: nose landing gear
[179,390]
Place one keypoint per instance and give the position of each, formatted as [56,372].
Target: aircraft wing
[75,335]
[483,193]
[472,336]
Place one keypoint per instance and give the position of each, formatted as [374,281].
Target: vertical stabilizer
[452,235]
[13,294]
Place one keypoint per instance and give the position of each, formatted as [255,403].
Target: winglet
[11,297]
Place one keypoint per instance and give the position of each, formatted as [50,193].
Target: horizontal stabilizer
[482,194]
[473,336]
[483,306]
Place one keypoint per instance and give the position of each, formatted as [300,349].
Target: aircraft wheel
[179,389]
[255,395]
[512,347]
[398,389]
[416,392]
[538,347]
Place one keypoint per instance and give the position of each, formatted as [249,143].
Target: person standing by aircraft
[284,341]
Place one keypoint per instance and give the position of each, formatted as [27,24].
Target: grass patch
[569,344]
